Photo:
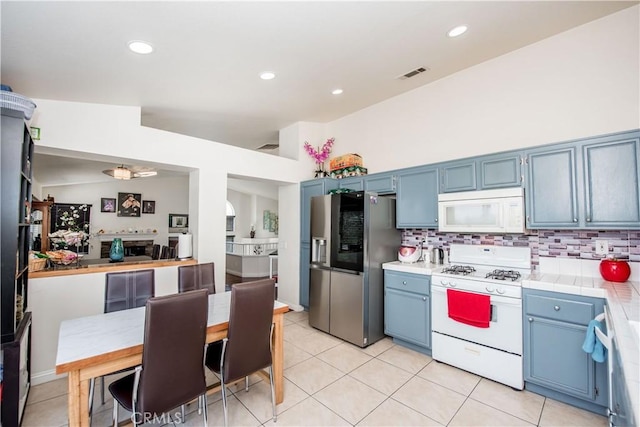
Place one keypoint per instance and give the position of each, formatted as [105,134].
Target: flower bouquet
[68,238]
[320,155]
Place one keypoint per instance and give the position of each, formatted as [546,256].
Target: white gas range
[477,311]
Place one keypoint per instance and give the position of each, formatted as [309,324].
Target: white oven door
[504,331]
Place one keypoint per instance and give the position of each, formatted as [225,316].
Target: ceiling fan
[123,172]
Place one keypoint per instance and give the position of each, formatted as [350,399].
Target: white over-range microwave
[487,211]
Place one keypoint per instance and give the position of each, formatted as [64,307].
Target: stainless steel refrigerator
[352,234]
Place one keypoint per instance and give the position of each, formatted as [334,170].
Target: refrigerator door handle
[341,270]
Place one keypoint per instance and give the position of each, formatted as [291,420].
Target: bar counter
[66,293]
[88,266]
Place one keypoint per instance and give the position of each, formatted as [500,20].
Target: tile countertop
[623,302]
[422,267]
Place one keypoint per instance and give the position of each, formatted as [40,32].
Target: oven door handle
[495,299]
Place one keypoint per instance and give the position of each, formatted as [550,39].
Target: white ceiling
[203,78]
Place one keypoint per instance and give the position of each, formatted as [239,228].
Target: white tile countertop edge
[423,268]
[623,302]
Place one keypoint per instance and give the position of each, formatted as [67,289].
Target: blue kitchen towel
[592,344]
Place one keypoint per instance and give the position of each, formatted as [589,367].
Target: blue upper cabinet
[353,183]
[417,198]
[500,171]
[482,173]
[611,181]
[551,190]
[589,183]
[381,183]
[458,176]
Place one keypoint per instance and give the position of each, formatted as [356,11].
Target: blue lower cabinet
[407,309]
[555,365]
[621,414]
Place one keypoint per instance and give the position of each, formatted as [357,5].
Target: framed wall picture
[107,205]
[71,217]
[148,206]
[178,223]
[129,204]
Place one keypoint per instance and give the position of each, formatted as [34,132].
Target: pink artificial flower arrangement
[320,155]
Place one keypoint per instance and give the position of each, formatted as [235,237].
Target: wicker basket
[14,101]
[37,264]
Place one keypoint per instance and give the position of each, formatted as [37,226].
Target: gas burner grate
[503,275]
[459,270]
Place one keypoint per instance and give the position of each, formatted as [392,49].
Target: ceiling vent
[268,147]
[413,73]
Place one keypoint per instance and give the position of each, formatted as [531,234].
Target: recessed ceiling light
[138,46]
[267,75]
[460,29]
[337,91]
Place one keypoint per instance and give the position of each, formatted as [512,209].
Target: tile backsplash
[569,244]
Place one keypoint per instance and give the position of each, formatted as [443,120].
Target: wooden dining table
[92,346]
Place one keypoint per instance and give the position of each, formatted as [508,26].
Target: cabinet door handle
[588,219]
[424,298]
[436,219]
[530,319]
[556,307]
[575,219]
[404,282]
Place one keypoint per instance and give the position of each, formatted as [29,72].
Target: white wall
[242,205]
[264,204]
[170,194]
[580,83]
[103,130]
[249,209]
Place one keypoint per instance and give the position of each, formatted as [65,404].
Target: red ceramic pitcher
[615,270]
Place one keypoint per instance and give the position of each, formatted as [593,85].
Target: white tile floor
[331,383]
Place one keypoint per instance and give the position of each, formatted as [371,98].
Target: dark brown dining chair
[155,252]
[164,252]
[199,276]
[172,373]
[128,289]
[124,290]
[247,348]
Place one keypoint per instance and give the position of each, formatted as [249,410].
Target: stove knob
[490,289]
[443,283]
[452,284]
[500,291]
